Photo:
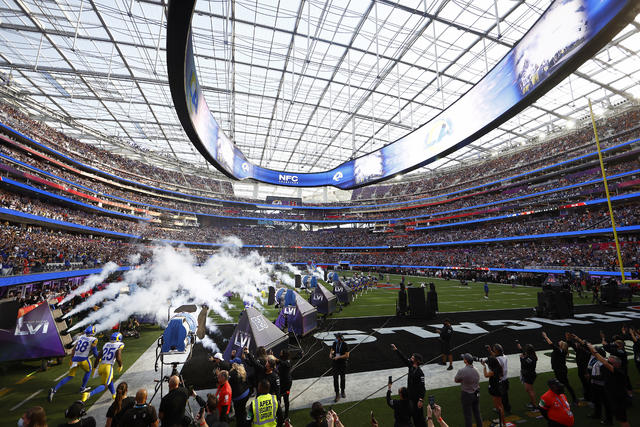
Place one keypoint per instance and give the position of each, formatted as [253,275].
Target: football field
[452,297]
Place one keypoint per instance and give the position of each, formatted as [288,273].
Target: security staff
[264,410]
[415,384]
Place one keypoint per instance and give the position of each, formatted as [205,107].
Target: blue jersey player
[85,346]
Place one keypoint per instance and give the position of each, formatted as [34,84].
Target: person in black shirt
[75,414]
[616,348]
[582,360]
[318,415]
[286,381]
[415,385]
[339,354]
[119,405]
[219,363]
[402,411]
[559,363]
[635,336]
[614,384]
[494,374]
[240,392]
[528,362]
[141,414]
[173,404]
[445,341]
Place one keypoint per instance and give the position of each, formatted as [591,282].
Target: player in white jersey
[111,352]
[85,346]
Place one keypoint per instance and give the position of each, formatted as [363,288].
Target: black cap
[76,410]
[554,382]
[339,335]
[418,357]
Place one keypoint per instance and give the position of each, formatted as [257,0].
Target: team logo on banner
[259,323]
[337,176]
[289,311]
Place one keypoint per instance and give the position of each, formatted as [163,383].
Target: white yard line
[25,400]
[60,377]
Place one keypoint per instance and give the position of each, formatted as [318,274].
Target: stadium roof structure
[299,85]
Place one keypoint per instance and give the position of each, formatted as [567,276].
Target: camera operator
[402,410]
[614,385]
[497,351]
[173,404]
[554,406]
[469,378]
[415,384]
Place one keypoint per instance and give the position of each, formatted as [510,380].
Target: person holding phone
[402,410]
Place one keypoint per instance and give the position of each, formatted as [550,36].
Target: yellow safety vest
[264,410]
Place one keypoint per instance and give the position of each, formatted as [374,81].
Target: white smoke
[134,259]
[209,344]
[172,278]
[92,281]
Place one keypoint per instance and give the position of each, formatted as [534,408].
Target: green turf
[452,297]
[12,373]
[449,400]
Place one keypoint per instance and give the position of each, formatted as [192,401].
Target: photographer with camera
[469,379]
[173,404]
[554,406]
[402,410]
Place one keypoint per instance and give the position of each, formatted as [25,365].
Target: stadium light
[571,124]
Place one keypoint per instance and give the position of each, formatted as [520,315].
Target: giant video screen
[560,34]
